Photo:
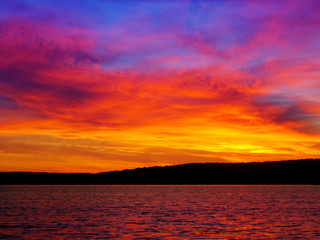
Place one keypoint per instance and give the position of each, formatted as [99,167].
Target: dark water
[160,212]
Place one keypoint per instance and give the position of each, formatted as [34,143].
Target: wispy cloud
[221,73]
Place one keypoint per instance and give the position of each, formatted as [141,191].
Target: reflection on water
[160,212]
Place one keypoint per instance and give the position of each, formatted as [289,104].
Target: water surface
[160,212]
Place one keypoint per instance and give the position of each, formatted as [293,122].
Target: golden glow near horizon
[93,151]
[128,90]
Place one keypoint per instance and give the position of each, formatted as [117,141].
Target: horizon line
[157,166]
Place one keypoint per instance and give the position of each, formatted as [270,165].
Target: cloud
[285,111]
[240,68]
[7,103]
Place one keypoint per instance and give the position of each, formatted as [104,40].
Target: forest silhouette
[279,172]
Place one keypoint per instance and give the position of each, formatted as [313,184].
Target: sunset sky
[97,85]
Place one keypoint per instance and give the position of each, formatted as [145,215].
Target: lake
[160,212]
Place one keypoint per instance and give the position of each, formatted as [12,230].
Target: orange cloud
[91,96]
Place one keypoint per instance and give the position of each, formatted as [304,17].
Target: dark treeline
[281,172]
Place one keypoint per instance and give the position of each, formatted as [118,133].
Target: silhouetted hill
[280,172]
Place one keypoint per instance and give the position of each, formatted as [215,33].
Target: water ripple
[160,212]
